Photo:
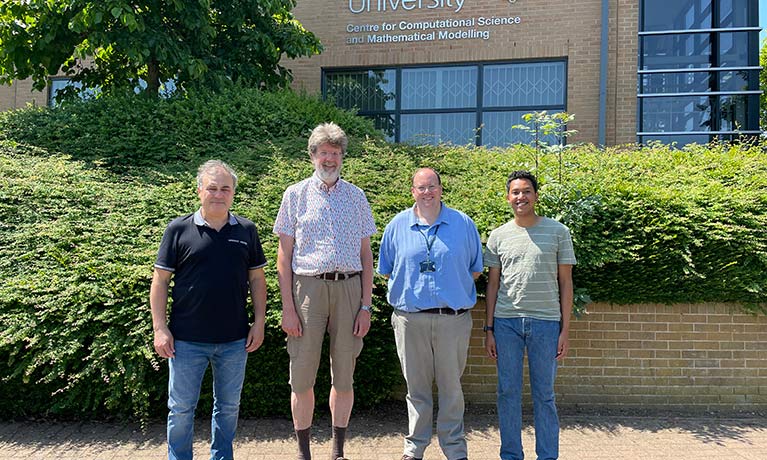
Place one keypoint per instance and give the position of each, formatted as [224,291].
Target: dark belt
[444,311]
[335,276]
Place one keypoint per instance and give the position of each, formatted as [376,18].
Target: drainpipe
[603,73]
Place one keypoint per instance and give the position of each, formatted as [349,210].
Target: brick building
[466,70]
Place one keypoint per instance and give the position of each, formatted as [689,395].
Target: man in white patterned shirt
[325,270]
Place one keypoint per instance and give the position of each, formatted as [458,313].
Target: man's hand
[255,337]
[362,323]
[490,345]
[562,346]
[290,322]
[163,342]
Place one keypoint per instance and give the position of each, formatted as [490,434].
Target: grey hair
[328,133]
[209,166]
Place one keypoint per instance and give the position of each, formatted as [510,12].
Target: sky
[762,19]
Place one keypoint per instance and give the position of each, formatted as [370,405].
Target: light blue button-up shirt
[456,252]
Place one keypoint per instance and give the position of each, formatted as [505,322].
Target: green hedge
[128,132]
[80,226]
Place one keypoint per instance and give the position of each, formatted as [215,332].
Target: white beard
[328,176]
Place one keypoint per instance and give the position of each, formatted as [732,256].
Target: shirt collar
[441,218]
[322,185]
[198,219]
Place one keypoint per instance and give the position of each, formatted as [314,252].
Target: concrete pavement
[378,436]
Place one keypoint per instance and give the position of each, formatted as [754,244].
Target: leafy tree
[763,86]
[111,44]
[548,133]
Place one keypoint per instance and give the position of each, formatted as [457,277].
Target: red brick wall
[691,357]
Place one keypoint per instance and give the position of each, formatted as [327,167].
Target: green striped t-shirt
[528,258]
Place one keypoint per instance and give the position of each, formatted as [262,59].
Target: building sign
[424,31]
[473,28]
[367,6]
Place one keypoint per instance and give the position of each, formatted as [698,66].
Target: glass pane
[733,49]
[734,111]
[59,84]
[734,13]
[386,123]
[435,128]
[167,88]
[676,14]
[439,87]
[677,140]
[56,86]
[736,80]
[530,84]
[367,91]
[497,129]
[669,114]
[677,51]
[675,82]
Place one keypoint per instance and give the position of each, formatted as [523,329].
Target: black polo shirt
[210,277]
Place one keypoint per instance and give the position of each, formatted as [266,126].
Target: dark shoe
[408,457]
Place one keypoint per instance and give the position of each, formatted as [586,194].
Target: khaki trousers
[433,348]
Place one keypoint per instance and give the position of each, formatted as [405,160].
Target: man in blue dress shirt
[431,255]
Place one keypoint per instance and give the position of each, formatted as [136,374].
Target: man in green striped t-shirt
[529,300]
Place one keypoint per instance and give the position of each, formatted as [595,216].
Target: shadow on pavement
[387,421]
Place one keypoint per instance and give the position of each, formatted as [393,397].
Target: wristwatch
[367,308]
[488,328]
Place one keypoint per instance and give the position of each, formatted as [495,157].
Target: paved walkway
[379,437]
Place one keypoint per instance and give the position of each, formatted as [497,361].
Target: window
[698,70]
[461,104]
[59,83]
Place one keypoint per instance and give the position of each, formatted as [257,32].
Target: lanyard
[429,241]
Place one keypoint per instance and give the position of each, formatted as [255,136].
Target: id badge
[427,266]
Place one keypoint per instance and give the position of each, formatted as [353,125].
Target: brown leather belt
[335,276]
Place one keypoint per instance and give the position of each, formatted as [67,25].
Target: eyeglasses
[326,154]
[426,188]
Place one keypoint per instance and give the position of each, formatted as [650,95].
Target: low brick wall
[686,357]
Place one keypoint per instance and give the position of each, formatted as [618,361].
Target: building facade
[465,71]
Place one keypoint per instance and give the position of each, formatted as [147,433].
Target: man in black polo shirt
[214,258]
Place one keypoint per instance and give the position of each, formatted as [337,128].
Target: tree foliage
[111,44]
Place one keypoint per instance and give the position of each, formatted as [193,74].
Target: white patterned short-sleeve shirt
[327,225]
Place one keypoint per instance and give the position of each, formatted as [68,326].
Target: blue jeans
[186,371]
[540,338]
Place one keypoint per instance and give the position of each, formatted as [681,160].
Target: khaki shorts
[330,306]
